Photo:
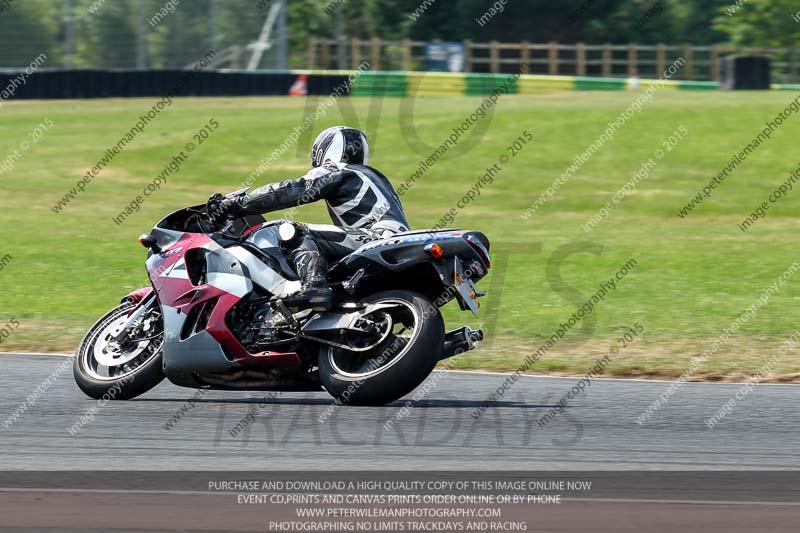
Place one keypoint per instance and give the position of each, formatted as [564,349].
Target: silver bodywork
[234,270]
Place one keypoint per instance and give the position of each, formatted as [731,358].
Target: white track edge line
[488,373]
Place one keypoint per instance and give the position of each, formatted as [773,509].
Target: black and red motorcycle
[213,316]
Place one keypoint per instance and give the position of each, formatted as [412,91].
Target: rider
[361,202]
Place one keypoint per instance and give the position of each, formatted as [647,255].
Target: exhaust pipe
[459,341]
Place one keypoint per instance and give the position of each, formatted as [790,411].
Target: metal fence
[164,34]
[145,34]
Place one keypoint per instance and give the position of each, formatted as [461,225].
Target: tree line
[110,33]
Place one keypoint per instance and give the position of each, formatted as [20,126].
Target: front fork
[134,319]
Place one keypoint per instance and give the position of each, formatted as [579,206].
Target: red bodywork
[138,295]
[180,293]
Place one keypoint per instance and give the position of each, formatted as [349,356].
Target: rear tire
[409,360]
[136,376]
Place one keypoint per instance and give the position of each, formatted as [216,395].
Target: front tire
[397,365]
[110,371]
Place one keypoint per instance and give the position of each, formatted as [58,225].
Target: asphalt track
[300,431]
[303,431]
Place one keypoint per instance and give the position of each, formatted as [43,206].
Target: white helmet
[340,144]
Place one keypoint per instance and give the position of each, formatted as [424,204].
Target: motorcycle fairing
[228,275]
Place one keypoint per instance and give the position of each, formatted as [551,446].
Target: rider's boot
[316,293]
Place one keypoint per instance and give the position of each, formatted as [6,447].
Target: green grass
[694,276]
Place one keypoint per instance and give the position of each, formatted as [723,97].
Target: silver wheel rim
[103,360]
[408,341]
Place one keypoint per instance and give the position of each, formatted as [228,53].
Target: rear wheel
[111,370]
[409,335]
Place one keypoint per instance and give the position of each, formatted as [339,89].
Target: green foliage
[110,36]
[762,23]
[26,30]
[107,36]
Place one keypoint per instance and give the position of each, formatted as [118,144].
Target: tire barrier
[60,84]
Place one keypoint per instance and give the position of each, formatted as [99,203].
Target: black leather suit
[361,201]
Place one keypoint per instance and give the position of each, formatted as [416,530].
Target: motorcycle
[213,317]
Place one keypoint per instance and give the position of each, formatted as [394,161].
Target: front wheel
[120,370]
[412,335]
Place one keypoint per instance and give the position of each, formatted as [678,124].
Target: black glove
[219,209]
